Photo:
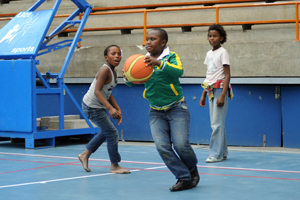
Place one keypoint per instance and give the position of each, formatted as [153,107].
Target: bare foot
[117,169]
[84,161]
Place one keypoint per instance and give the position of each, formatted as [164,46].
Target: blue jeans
[218,144]
[172,126]
[108,132]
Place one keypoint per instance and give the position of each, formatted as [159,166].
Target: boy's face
[154,44]
[214,38]
[114,56]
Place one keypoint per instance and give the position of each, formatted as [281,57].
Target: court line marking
[134,170]
[54,163]
[40,162]
[151,168]
[72,178]
[245,176]
[75,158]
[152,163]
[62,164]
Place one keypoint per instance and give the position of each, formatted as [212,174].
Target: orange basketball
[135,69]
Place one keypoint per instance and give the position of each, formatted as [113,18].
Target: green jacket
[163,89]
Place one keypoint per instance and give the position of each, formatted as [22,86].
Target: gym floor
[56,173]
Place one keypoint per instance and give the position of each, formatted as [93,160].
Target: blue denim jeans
[108,132]
[218,144]
[169,127]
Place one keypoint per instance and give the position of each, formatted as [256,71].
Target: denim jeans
[172,126]
[108,132]
[218,144]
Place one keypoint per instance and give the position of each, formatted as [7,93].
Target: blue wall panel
[135,111]
[16,95]
[253,113]
[78,91]
[47,105]
[290,116]
[200,129]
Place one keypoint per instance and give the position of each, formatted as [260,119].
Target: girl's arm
[222,97]
[203,98]
[103,77]
[113,102]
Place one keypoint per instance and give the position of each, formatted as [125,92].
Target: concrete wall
[264,51]
[248,58]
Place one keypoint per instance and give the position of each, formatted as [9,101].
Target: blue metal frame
[47,89]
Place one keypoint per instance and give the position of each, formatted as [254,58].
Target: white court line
[153,163]
[72,178]
[250,169]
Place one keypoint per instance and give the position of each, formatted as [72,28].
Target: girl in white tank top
[91,100]
[95,102]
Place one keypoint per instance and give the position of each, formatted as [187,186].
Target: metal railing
[217,8]
[178,4]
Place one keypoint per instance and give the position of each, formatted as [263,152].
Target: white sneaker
[212,159]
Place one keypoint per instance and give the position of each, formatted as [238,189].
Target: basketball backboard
[22,36]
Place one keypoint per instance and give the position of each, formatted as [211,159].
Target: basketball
[135,69]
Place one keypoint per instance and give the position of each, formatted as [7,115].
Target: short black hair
[162,33]
[107,48]
[220,29]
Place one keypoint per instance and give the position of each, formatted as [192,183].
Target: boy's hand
[152,61]
[124,75]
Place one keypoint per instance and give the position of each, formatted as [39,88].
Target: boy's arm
[128,83]
[173,65]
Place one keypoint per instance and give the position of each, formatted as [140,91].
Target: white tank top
[91,100]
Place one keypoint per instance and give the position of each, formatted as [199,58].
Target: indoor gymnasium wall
[264,67]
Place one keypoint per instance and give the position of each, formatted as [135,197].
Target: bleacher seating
[183,34]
